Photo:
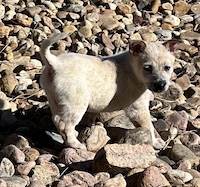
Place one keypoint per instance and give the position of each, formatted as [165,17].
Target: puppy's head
[154,64]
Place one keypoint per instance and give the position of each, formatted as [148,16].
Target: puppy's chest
[124,98]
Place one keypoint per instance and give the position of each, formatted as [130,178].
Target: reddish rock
[77,178]
[121,158]
[152,177]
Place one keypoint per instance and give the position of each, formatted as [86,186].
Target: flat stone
[190,35]
[121,158]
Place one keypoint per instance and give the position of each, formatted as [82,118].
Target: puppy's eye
[167,68]
[148,68]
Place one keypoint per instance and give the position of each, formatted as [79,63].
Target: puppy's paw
[158,143]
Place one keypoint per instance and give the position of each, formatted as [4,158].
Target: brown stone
[181,8]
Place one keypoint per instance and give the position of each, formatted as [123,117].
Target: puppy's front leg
[139,112]
[68,132]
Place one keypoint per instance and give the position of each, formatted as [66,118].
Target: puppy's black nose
[159,85]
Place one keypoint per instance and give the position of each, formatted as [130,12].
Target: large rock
[121,158]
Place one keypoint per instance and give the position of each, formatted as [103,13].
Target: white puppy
[77,83]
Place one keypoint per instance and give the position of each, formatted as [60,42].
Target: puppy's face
[155,65]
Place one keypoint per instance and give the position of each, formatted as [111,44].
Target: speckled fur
[77,83]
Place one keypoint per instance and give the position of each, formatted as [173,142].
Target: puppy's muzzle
[158,86]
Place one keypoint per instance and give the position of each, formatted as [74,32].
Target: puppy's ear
[172,45]
[136,47]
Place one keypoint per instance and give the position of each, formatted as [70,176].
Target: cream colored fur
[77,83]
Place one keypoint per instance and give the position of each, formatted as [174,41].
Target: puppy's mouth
[158,86]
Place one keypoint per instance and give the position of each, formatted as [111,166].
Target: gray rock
[135,136]
[181,152]
[164,34]
[121,121]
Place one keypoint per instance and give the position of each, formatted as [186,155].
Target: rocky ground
[32,152]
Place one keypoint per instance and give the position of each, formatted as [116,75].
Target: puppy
[77,83]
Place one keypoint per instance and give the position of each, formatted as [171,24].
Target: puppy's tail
[47,57]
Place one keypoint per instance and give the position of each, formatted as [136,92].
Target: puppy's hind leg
[66,124]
